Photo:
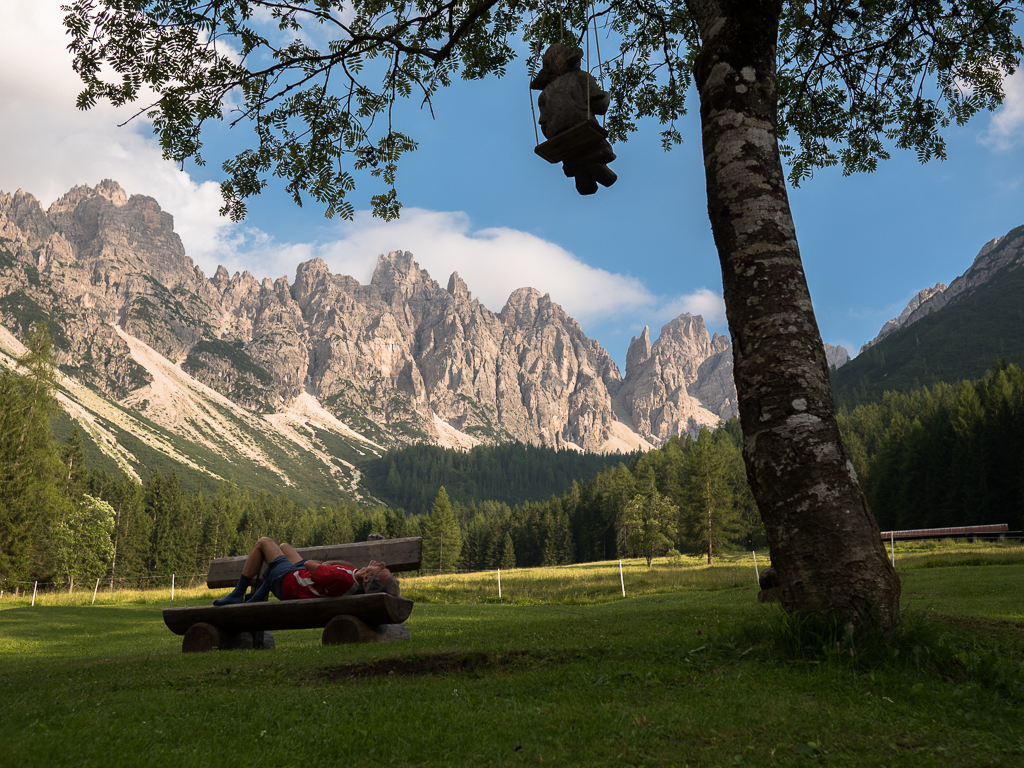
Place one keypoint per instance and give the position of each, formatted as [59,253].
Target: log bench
[376,617]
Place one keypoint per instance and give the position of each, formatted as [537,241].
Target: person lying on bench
[290,577]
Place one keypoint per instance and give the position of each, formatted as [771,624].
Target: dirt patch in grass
[437,664]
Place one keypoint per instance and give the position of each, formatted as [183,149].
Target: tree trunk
[710,559]
[824,540]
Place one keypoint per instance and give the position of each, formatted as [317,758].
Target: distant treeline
[699,481]
[948,455]
[510,473]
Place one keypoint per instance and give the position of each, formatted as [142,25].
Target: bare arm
[312,565]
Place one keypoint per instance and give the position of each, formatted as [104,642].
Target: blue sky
[480,202]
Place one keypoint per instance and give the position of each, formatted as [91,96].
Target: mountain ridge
[395,361]
[955,333]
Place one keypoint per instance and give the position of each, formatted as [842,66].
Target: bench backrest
[399,554]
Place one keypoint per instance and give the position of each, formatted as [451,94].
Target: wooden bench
[375,617]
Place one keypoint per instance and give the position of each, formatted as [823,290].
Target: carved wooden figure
[575,138]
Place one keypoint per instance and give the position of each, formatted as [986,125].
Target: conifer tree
[508,553]
[132,527]
[73,457]
[442,540]
[31,498]
[708,518]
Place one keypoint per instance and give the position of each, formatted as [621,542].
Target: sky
[478,201]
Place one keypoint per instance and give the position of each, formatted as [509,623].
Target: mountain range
[946,333]
[299,384]
[231,374]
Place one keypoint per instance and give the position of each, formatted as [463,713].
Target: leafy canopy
[318,80]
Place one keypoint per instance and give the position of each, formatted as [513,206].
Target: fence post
[94,591]
[499,583]
[34,587]
[172,586]
[892,547]
[622,581]
[756,571]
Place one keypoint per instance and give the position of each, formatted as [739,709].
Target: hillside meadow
[687,669]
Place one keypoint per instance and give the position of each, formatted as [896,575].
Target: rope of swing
[600,64]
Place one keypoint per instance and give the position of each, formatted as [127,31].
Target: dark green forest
[511,473]
[958,343]
[945,455]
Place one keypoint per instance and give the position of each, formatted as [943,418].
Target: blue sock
[261,594]
[237,595]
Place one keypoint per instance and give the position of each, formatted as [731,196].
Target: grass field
[561,670]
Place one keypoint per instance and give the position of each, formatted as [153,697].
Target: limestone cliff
[401,359]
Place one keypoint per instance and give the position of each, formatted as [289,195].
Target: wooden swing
[579,140]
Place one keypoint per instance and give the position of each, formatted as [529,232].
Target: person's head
[376,577]
[377,583]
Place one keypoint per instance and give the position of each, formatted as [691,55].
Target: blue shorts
[277,570]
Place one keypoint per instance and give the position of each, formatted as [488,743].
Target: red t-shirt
[326,581]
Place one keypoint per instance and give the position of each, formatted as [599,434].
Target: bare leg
[265,551]
[289,551]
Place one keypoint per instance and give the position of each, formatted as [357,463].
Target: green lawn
[675,674]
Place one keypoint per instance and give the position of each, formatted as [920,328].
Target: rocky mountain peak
[997,254]
[398,277]
[836,356]
[919,299]
[457,287]
[986,249]
[522,306]
[221,279]
[639,351]
[23,218]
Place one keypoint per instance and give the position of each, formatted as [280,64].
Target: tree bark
[825,542]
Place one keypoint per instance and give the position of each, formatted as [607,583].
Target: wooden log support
[206,637]
[399,554]
[348,629]
[203,637]
[376,608]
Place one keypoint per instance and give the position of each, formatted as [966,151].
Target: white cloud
[493,261]
[1007,124]
[50,146]
[703,302]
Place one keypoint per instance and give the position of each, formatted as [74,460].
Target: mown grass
[686,670]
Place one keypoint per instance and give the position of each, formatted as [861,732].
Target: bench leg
[206,637]
[348,629]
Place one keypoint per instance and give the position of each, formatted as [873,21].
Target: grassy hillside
[959,342]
